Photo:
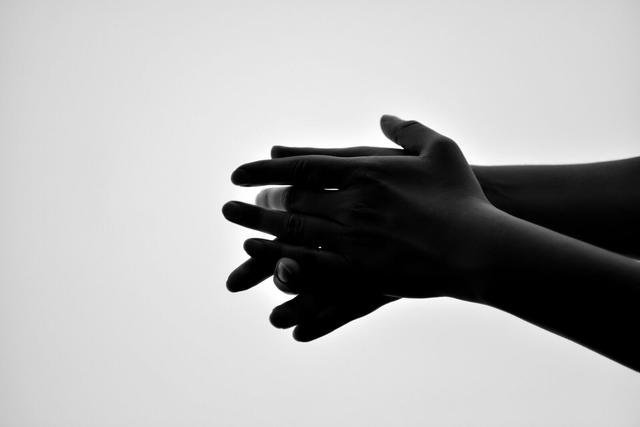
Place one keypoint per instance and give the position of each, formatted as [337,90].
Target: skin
[418,223]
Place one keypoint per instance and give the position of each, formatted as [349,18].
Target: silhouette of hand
[403,226]
[317,314]
[360,227]
[313,314]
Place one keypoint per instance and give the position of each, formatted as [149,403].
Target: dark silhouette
[361,227]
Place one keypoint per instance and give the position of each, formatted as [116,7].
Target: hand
[314,314]
[375,229]
[255,270]
[398,225]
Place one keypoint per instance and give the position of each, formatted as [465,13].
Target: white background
[120,123]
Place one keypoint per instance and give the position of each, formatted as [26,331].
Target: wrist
[497,188]
[477,257]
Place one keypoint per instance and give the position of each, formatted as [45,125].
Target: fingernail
[240,177]
[283,272]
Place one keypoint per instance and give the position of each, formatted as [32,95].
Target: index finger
[314,171]
[279,151]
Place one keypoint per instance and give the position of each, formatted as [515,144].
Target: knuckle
[370,170]
[294,229]
[288,198]
[406,127]
[444,145]
[303,173]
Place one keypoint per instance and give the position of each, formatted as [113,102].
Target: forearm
[577,290]
[596,202]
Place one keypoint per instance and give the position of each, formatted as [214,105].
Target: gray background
[120,122]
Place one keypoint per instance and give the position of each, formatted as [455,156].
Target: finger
[303,269]
[291,278]
[298,309]
[279,151]
[337,315]
[413,136]
[292,227]
[249,274]
[305,171]
[325,203]
[284,274]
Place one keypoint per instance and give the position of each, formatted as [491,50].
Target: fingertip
[229,208]
[283,271]
[248,246]
[232,284]
[235,211]
[244,214]
[280,319]
[276,319]
[262,198]
[249,274]
[240,177]
[390,118]
[291,264]
[301,334]
[277,151]
[231,288]
[235,282]
[286,273]
[253,246]
[283,287]
[389,125]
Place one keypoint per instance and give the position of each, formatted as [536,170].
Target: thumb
[285,274]
[411,135]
